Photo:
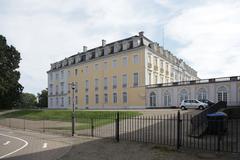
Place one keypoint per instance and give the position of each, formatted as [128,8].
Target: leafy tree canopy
[43,98]
[10,88]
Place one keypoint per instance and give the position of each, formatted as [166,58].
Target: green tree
[10,88]
[28,100]
[43,98]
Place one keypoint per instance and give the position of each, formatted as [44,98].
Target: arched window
[167,99]
[152,99]
[183,95]
[222,94]
[202,94]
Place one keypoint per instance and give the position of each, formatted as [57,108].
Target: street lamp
[73,108]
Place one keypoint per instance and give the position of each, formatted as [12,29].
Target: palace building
[114,75]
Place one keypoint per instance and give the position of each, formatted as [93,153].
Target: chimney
[141,34]
[84,48]
[103,42]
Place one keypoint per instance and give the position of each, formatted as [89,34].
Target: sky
[204,33]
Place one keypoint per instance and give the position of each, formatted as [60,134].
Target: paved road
[20,145]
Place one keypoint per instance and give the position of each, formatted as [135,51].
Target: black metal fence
[167,129]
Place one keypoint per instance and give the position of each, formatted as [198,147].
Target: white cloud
[210,36]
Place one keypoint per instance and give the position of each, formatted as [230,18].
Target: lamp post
[73,109]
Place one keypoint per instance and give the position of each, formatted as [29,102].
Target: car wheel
[201,107]
[183,108]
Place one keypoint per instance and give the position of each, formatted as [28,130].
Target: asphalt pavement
[26,145]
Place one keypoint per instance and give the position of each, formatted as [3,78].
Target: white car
[193,103]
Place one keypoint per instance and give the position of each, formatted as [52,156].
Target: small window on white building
[152,99]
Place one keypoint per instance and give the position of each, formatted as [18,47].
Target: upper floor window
[57,76]
[62,74]
[155,61]
[149,78]
[125,61]
[105,65]
[56,89]
[105,98]
[76,72]
[96,66]
[86,85]
[51,76]
[124,80]
[135,79]
[105,82]
[114,81]
[161,63]
[149,59]
[96,84]
[166,66]
[135,59]
[86,99]
[114,63]
[62,87]
[86,69]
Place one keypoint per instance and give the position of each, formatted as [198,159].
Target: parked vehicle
[193,103]
[206,101]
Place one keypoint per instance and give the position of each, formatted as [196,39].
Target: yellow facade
[135,95]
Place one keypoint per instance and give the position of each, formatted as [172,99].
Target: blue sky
[204,33]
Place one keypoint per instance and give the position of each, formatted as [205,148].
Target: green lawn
[83,118]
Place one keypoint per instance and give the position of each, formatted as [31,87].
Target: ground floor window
[152,99]
[114,97]
[125,99]
[222,94]
[86,99]
[167,100]
[184,95]
[202,94]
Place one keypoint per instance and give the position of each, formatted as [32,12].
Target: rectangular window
[124,80]
[124,61]
[62,87]
[105,83]
[86,99]
[135,59]
[96,99]
[69,100]
[105,98]
[51,102]
[62,74]
[96,66]
[62,101]
[76,87]
[149,78]
[51,89]
[114,63]
[86,69]
[86,85]
[155,61]
[114,81]
[51,76]
[161,63]
[105,64]
[135,79]
[125,99]
[76,72]
[114,97]
[149,59]
[56,89]
[76,100]
[57,101]
[166,66]
[96,84]
[156,79]
[57,76]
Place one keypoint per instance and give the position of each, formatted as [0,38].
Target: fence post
[92,127]
[117,127]
[178,129]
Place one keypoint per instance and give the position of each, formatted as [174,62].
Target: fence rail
[169,129]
